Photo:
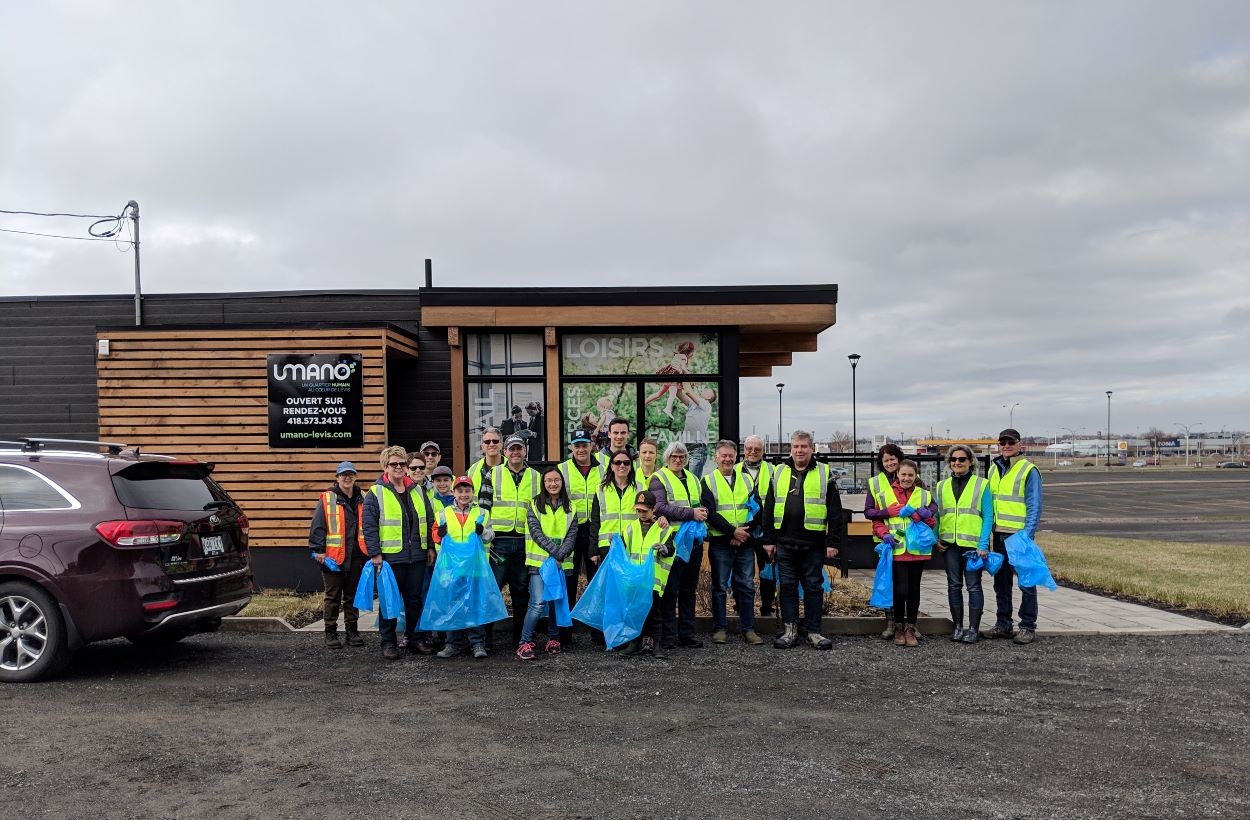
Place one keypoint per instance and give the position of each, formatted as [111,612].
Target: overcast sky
[1020,202]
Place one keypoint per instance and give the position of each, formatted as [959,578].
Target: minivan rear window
[155,485]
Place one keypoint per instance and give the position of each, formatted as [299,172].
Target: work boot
[909,636]
[751,638]
[972,633]
[690,643]
[999,631]
[720,636]
[332,640]
[957,615]
[1024,636]
[390,653]
[888,632]
[788,638]
[899,640]
[818,641]
[354,639]
[631,648]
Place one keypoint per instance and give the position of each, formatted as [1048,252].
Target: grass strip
[298,609]
[1208,577]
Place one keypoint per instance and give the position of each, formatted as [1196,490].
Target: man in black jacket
[335,534]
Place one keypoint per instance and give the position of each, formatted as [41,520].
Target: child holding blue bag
[551,532]
[909,506]
[458,521]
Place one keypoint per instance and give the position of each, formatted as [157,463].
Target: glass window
[516,408]
[154,485]
[591,406]
[24,489]
[504,354]
[688,412]
[665,354]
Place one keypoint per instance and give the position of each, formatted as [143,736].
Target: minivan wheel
[32,634]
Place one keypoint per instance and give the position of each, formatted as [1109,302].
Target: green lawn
[1211,577]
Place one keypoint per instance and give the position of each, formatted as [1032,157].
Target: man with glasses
[513,485]
[397,519]
[432,454]
[727,495]
[1016,487]
[480,470]
[761,474]
[964,501]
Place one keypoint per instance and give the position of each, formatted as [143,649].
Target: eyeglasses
[396,465]
[958,459]
[622,463]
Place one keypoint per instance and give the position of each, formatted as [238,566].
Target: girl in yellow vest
[459,520]
[876,506]
[551,532]
[909,501]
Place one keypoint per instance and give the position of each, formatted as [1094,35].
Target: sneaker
[1024,636]
[999,631]
[354,639]
[720,636]
[448,651]
[390,653]
[525,652]
[751,638]
[552,647]
[332,641]
[690,643]
[818,641]
[648,646]
[479,651]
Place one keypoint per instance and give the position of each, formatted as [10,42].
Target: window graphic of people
[597,425]
[698,401]
[680,365]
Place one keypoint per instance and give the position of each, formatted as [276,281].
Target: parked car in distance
[1141,462]
[98,545]
[1065,463]
[1233,465]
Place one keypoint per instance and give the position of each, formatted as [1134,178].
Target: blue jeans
[741,562]
[957,576]
[698,456]
[537,608]
[1003,584]
[806,564]
[474,636]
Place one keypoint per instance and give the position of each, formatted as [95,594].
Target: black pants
[410,578]
[767,588]
[651,626]
[508,564]
[340,592]
[677,602]
[582,565]
[907,591]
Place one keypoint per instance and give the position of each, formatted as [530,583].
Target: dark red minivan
[98,542]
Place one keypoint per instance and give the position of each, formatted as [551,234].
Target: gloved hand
[894,510]
[906,511]
[480,528]
[888,539]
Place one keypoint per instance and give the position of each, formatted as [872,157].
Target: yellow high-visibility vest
[391,518]
[581,489]
[815,487]
[1010,512]
[637,543]
[898,526]
[510,499]
[555,525]
[959,519]
[731,502]
[615,510]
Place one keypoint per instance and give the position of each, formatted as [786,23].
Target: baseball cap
[464,479]
[1010,433]
[580,437]
[442,470]
[513,440]
[645,497]
[431,445]
[345,467]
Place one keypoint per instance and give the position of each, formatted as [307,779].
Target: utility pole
[132,210]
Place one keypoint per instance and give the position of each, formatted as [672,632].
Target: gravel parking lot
[233,725]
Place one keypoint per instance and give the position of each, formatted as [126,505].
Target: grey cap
[511,440]
[442,470]
[431,445]
[345,467]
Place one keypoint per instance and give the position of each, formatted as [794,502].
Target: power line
[62,236]
[77,216]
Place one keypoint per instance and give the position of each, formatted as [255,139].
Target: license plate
[212,544]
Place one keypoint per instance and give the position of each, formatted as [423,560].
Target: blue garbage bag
[462,591]
[973,561]
[920,538]
[993,562]
[769,572]
[883,579]
[329,563]
[390,603]
[753,507]
[554,590]
[364,590]
[618,598]
[1029,563]
[689,534]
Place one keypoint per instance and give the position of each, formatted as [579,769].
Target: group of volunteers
[781,522]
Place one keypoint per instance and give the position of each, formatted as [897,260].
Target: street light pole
[1011,411]
[1108,430]
[1186,428]
[854,358]
[780,386]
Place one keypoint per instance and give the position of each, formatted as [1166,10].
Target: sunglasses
[958,459]
[429,452]
[420,466]
[492,441]
[1008,442]
[396,465]
[622,464]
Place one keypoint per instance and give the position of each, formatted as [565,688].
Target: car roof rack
[34,445]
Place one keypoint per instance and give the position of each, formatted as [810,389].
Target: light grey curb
[252,624]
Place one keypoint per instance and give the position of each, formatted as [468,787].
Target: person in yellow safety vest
[440,495]
[583,473]
[875,504]
[480,470]
[647,532]
[803,527]
[551,531]
[678,498]
[726,495]
[965,509]
[459,520]
[648,461]
[513,486]
[336,533]
[1016,486]
[761,472]
[613,505]
[907,500]
[397,520]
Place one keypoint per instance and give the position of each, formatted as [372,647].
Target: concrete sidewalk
[1065,611]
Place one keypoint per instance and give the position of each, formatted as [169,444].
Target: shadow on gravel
[121,659]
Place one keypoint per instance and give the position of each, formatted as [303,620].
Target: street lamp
[854,359]
[780,386]
[1186,428]
[1072,433]
[1108,429]
[1011,411]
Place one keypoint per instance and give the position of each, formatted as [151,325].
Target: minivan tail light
[143,533]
